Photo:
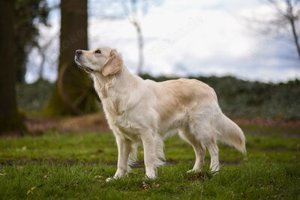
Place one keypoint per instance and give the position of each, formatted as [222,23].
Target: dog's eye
[98,51]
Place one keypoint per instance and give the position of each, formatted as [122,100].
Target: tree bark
[73,93]
[292,17]
[140,41]
[296,39]
[10,119]
[295,36]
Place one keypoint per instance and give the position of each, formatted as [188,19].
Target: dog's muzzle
[78,54]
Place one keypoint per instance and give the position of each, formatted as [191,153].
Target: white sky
[193,37]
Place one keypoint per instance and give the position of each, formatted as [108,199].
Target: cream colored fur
[144,111]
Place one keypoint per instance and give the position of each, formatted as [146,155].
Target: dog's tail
[230,133]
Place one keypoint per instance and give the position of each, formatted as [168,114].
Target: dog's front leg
[150,157]
[123,154]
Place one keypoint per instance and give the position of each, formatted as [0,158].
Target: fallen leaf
[98,177]
[3,174]
[30,191]
[145,185]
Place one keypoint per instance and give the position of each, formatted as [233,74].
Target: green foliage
[68,166]
[33,97]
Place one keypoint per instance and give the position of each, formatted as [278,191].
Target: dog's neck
[116,90]
[114,84]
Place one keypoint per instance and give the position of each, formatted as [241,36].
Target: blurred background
[248,51]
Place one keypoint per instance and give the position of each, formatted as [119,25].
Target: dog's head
[105,60]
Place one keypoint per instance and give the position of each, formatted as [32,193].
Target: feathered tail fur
[230,133]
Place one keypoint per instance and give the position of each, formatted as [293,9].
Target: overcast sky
[207,37]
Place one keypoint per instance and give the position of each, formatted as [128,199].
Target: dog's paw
[193,171]
[214,172]
[150,177]
[110,179]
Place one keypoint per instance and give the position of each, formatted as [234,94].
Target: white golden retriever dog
[146,111]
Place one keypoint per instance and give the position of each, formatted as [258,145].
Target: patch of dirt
[50,161]
[202,176]
[281,149]
[97,122]
[54,161]
[38,161]
[268,122]
[231,162]
[149,184]
[140,163]
[91,122]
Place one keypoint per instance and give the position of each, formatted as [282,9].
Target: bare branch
[289,16]
[276,5]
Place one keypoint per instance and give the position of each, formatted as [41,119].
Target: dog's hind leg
[214,156]
[159,143]
[200,156]
[199,150]
[133,155]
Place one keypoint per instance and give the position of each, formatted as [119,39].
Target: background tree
[28,14]
[73,92]
[9,117]
[43,51]
[286,19]
[132,10]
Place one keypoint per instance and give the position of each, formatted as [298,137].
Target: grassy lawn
[75,166]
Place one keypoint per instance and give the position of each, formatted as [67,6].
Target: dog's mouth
[84,68]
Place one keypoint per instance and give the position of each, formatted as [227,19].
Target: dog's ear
[113,65]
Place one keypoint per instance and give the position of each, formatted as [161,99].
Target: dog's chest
[127,127]
[118,118]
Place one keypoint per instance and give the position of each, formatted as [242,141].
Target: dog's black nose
[78,53]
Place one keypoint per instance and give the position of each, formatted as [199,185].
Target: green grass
[75,166]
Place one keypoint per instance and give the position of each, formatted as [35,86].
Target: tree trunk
[73,93]
[295,36]
[10,119]
[140,41]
